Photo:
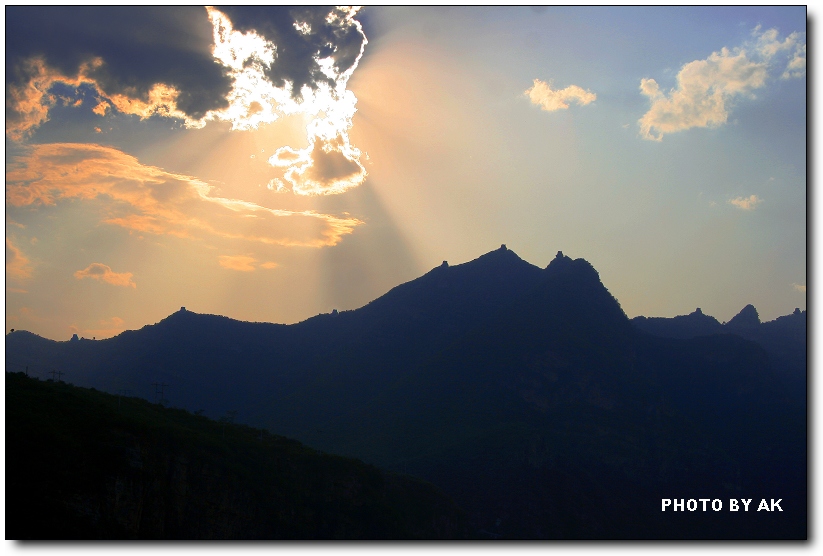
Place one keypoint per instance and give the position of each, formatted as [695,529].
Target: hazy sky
[270,164]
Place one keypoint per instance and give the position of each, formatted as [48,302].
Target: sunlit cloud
[746,203]
[706,89]
[800,287]
[104,273]
[243,263]
[18,266]
[548,99]
[268,79]
[330,164]
[29,103]
[148,199]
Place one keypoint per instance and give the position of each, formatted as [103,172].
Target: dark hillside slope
[81,464]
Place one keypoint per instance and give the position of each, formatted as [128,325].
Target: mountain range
[525,393]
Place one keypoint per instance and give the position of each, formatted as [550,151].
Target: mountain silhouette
[783,339]
[526,394]
[747,318]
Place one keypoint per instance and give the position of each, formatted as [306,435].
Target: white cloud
[800,287]
[706,89]
[548,99]
[797,65]
[746,203]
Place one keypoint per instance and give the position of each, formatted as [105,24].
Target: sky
[269,164]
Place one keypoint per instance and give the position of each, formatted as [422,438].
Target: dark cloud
[140,46]
[297,49]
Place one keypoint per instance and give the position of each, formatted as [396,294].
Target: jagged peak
[746,318]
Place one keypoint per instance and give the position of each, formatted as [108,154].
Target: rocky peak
[746,318]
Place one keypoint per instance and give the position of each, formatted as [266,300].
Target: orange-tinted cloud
[28,103]
[746,203]
[260,91]
[243,263]
[18,266]
[149,199]
[104,273]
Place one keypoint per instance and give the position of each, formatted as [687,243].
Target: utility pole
[59,374]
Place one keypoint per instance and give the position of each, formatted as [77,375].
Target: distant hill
[524,393]
[82,464]
[784,338]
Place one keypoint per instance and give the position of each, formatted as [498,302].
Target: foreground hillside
[81,464]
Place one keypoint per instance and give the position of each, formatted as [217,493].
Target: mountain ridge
[530,381]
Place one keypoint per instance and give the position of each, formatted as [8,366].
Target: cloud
[18,266]
[548,99]
[316,46]
[769,46]
[148,199]
[243,65]
[138,47]
[706,89]
[104,273]
[800,287]
[797,65]
[325,167]
[298,61]
[746,203]
[28,103]
[242,263]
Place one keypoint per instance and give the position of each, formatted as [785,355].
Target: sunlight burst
[330,163]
